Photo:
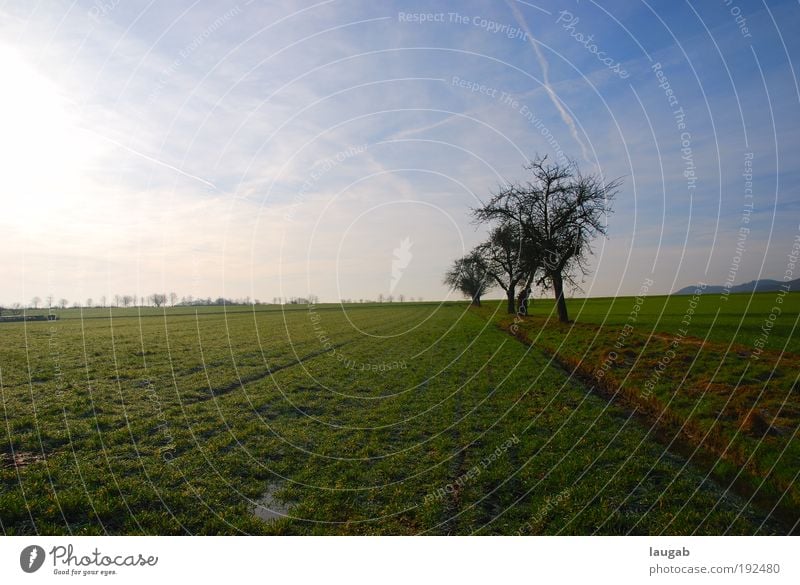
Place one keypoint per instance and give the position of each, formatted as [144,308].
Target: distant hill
[763,285]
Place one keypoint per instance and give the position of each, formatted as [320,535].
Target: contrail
[546,78]
[150,158]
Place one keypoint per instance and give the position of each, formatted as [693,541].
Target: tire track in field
[453,503]
[255,377]
[241,381]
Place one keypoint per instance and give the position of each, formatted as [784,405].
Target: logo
[402,256]
[31,558]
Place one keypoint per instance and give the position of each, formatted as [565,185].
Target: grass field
[393,419]
[734,319]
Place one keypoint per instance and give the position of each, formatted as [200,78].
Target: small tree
[559,212]
[35,301]
[63,303]
[173,298]
[158,299]
[469,276]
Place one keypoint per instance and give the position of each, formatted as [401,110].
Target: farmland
[413,418]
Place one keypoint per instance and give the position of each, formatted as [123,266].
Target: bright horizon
[281,150]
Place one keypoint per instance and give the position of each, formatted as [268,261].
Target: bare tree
[117,300]
[63,303]
[127,300]
[559,211]
[469,276]
[402,298]
[49,300]
[158,299]
[380,298]
[89,303]
[173,298]
[103,301]
[35,302]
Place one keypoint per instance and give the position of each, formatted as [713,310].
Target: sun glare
[42,150]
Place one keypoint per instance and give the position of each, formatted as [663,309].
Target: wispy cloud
[545,66]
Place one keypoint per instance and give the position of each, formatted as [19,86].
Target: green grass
[404,419]
[738,319]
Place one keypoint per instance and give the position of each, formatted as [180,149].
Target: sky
[335,148]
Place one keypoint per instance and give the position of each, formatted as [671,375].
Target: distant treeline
[50,304]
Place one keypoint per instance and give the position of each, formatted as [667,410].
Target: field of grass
[368,419]
[737,318]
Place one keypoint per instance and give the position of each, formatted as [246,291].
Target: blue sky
[269,149]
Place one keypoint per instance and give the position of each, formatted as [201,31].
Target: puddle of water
[268,508]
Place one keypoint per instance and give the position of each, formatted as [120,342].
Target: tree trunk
[476,301]
[561,303]
[528,284]
[511,299]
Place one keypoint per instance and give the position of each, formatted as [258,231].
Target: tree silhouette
[469,276]
[559,212]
